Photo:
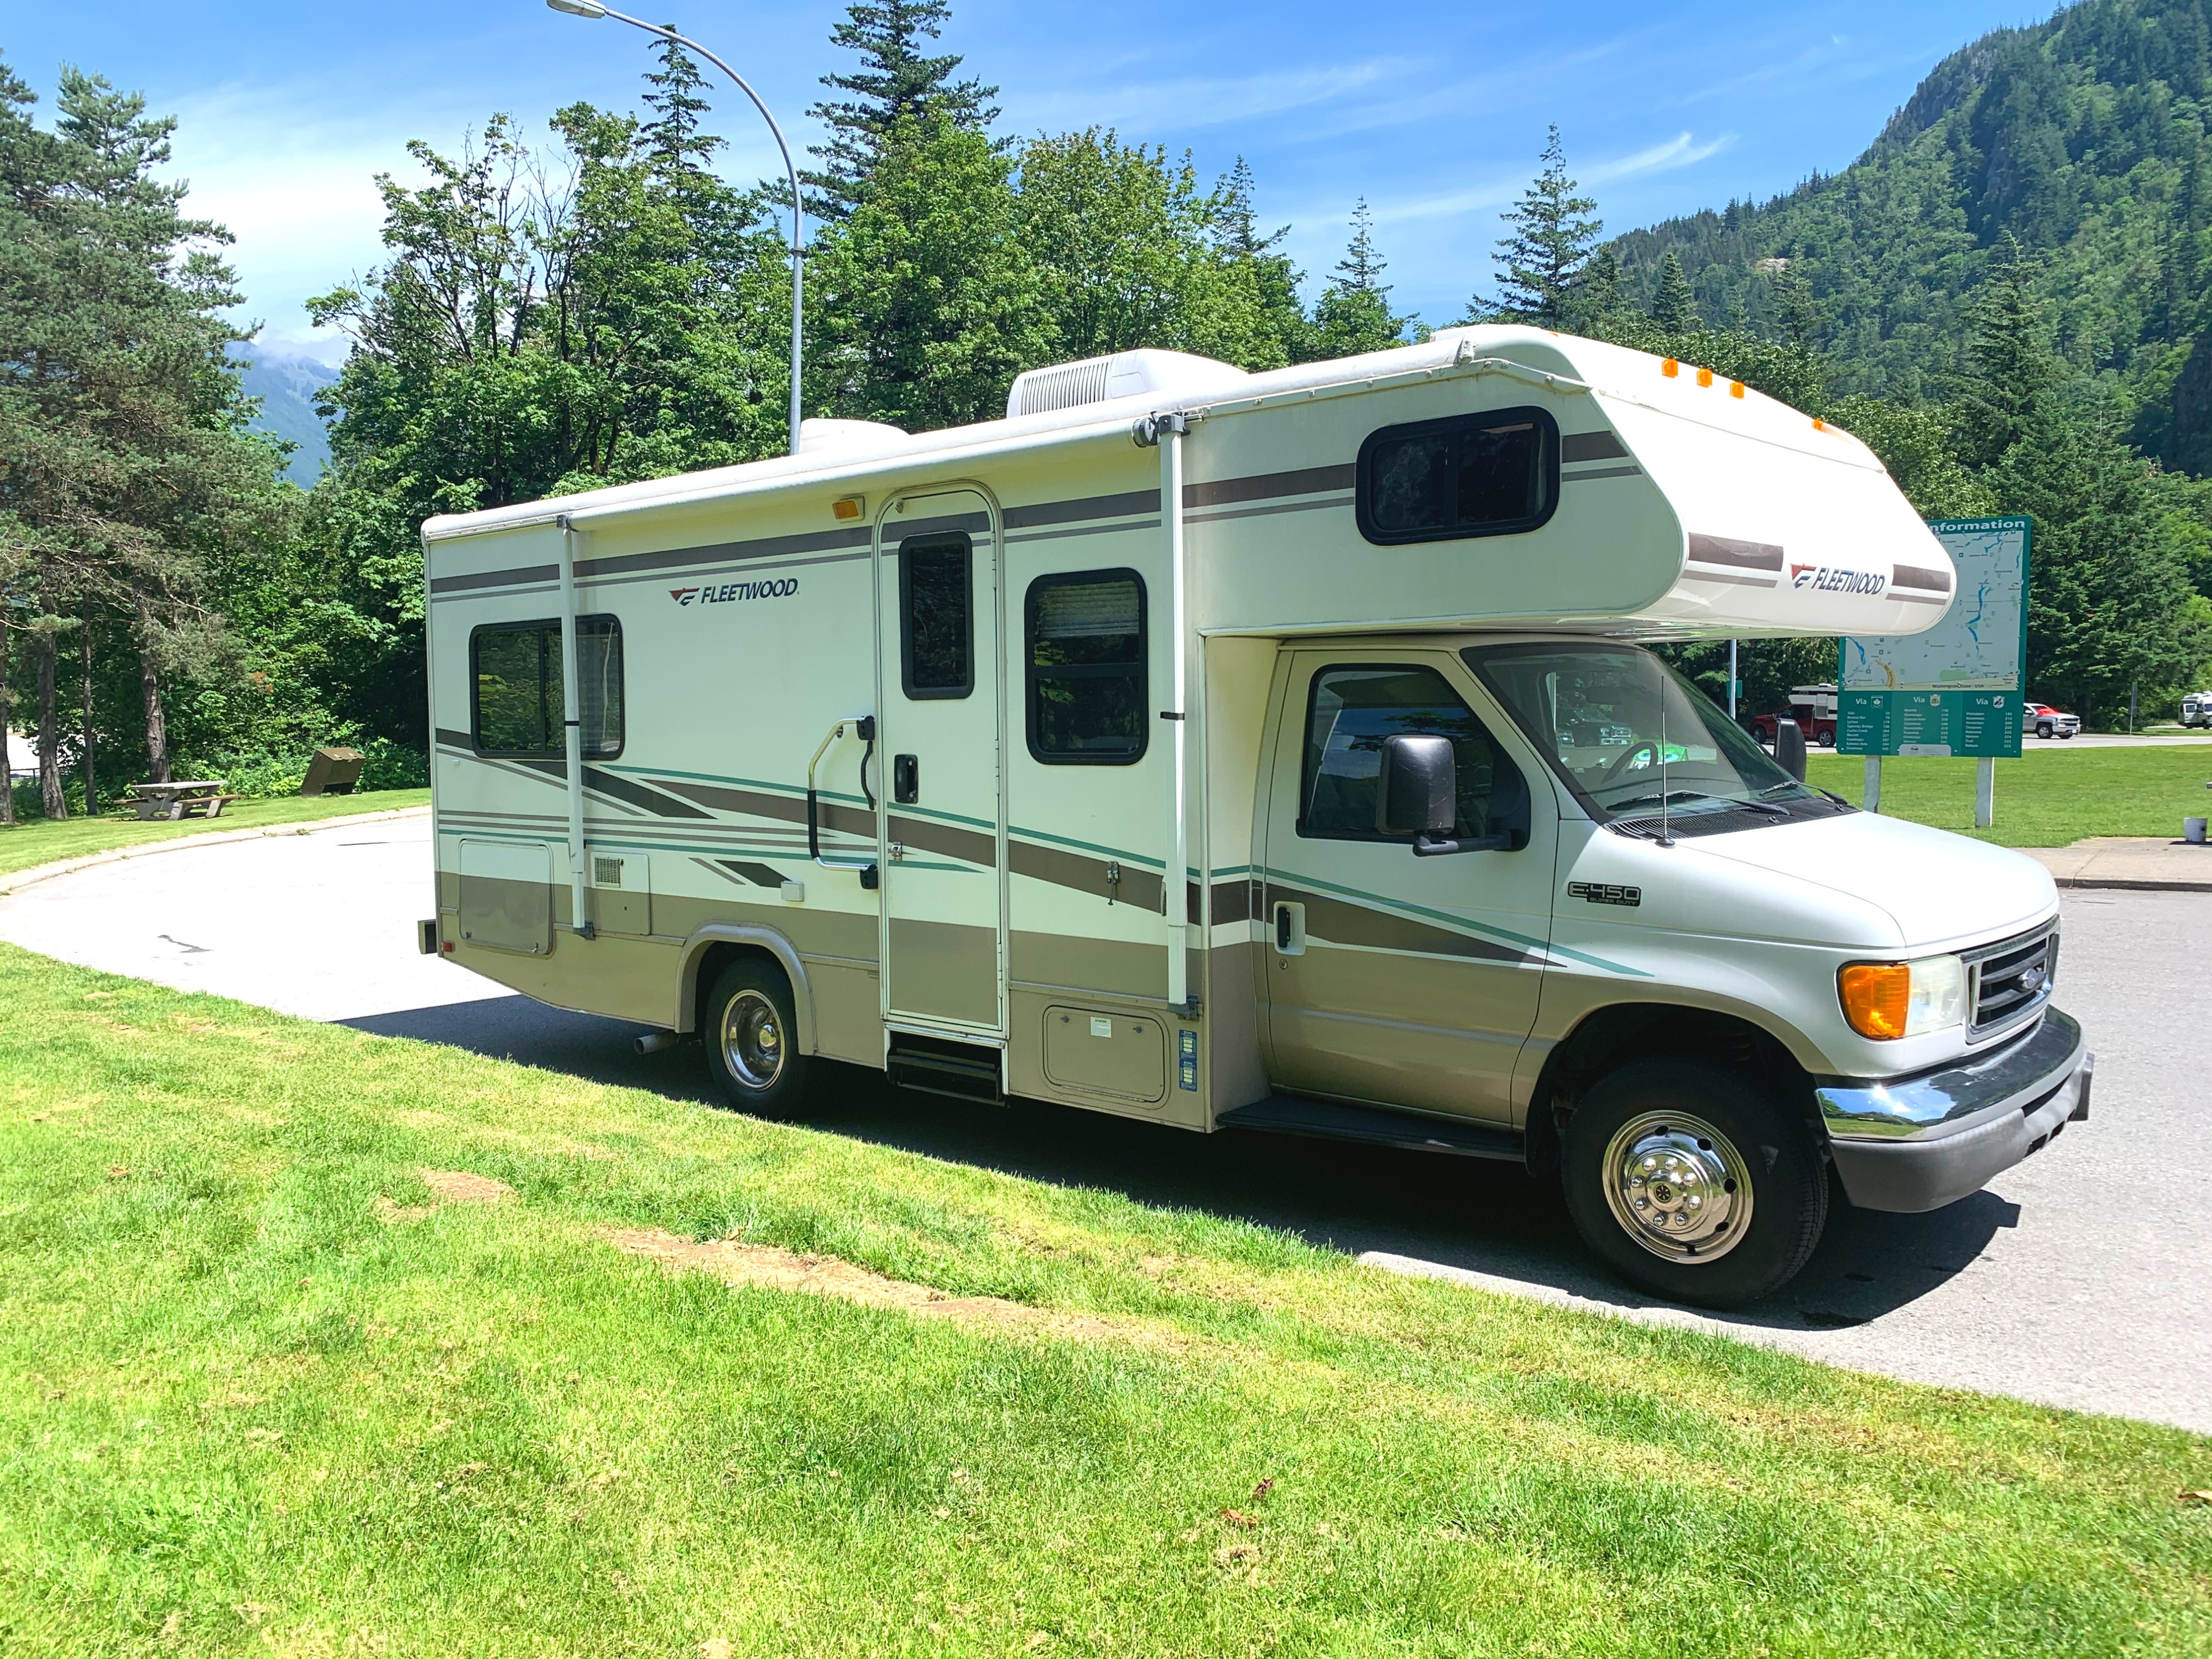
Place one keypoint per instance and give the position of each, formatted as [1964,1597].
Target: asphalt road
[2079,1278]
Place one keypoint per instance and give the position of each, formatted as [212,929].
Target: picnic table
[189,798]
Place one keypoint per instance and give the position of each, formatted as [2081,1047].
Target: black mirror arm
[1429,846]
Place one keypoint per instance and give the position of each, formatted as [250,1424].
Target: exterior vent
[1043,390]
[1168,376]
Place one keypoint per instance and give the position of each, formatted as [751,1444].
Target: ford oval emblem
[2031,979]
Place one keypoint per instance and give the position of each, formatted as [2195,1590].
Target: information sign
[1955,690]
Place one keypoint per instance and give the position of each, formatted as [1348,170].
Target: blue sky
[1434,113]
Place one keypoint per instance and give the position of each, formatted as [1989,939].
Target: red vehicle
[1813,708]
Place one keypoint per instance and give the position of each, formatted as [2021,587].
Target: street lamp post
[594,8]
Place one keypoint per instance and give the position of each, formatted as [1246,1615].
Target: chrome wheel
[1678,1186]
[752,1039]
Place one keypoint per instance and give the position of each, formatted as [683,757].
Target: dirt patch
[734,1262]
[447,1187]
[459,1187]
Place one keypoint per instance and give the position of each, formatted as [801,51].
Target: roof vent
[1165,375]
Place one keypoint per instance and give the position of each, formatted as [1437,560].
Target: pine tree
[901,81]
[1554,233]
[673,136]
[1355,314]
[2010,369]
[1287,335]
[1675,310]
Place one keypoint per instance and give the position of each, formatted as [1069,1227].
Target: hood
[1943,890]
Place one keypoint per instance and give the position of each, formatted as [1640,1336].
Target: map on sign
[1979,643]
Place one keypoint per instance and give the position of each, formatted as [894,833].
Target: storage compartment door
[507,895]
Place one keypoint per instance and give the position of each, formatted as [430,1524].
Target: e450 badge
[1605,892]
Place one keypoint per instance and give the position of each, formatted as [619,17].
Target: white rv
[1275,750]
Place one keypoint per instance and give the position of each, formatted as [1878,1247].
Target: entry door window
[937,623]
[1352,709]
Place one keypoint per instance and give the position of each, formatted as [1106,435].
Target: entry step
[945,1066]
[1330,1120]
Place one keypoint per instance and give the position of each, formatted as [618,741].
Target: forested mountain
[2084,137]
[287,388]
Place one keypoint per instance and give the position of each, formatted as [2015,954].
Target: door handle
[1290,929]
[906,780]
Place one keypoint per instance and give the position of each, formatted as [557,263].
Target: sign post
[1956,688]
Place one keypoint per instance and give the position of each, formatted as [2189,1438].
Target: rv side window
[1492,474]
[1085,641]
[936,627]
[514,669]
[1353,707]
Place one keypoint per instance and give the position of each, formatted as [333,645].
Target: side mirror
[1790,748]
[1416,794]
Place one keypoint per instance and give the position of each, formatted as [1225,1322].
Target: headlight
[1888,999]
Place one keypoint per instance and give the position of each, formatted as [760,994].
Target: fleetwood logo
[729,593]
[1834,578]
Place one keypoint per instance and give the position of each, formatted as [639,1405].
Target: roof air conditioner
[1167,375]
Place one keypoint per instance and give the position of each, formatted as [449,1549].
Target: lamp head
[579,7]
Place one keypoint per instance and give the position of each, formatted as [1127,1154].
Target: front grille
[2011,980]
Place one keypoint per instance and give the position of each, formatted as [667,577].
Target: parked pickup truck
[2048,722]
[1813,708]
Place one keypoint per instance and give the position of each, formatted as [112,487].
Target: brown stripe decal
[787,809]
[1590,446]
[516,577]
[1343,922]
[1911,575]
[1265,486]
[1749,555]
[759,874]
[1232,899]
[1084,874]
[1090,506]
[971,846]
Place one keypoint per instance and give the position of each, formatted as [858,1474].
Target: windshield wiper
[1699,794]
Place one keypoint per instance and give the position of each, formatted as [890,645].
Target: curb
[38,872]
[2119,884]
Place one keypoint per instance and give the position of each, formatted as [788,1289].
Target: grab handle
[864,727]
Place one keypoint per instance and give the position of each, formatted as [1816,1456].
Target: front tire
[2043,732]
[751,1040]
[1692,1184]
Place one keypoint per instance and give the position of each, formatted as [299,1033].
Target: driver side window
[1352,707]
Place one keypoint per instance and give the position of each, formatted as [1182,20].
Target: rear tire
[751,1039]
[1692,1184]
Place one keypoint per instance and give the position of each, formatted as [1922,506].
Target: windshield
[1624,730]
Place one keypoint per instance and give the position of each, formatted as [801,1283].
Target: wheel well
[709,966]
[1611,1036]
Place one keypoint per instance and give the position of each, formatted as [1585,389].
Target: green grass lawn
[260,1393]
[42,841]
[2050,797]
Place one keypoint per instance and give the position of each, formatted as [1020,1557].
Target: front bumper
[1918,1143]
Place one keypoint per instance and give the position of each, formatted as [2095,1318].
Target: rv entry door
[940,634]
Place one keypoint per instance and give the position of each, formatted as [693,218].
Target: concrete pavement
[2075,1279]
[2144,863]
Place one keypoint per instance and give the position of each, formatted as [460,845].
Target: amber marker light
[1877,997]
[1670,368]
[1735,388]
[1705,376]
[845,508]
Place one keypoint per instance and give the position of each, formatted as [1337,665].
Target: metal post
[1873,802]
[2133,687]
[572,733]
[1732,679]
[1985,792]
[1175,889]
[593,8]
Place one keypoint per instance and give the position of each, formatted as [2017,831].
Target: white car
[2048,722]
